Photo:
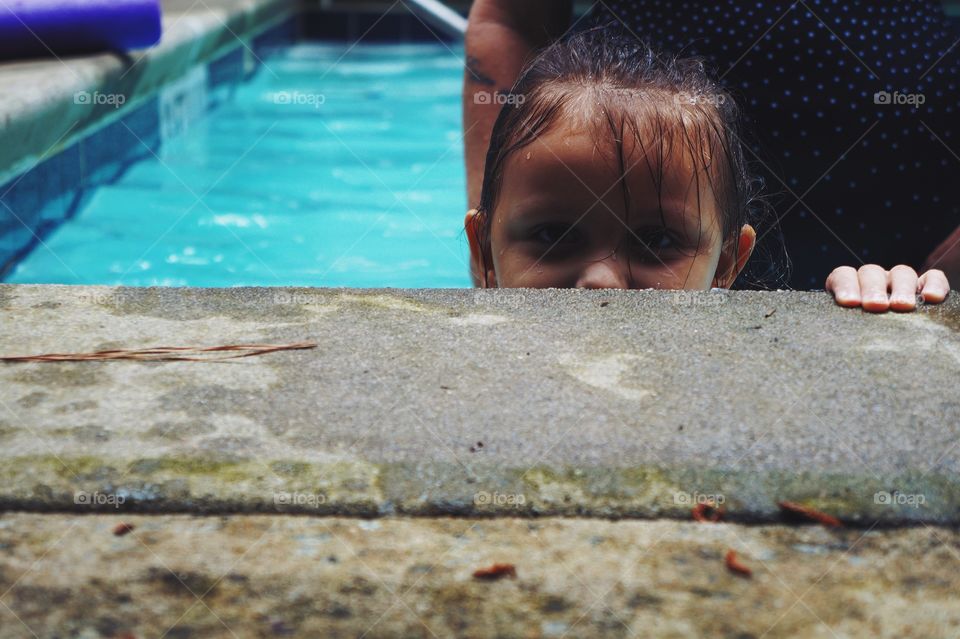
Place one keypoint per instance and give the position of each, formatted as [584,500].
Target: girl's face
[561,220]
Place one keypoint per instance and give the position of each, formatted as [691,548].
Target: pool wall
[599,403]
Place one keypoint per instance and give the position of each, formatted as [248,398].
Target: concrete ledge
[604,403]
[269,576]
[39,116]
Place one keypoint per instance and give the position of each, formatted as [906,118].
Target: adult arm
[946,257]
[501,37]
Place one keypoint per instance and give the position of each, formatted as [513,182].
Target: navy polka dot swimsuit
[854,105]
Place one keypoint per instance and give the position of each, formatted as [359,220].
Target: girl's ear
[734,257]
[482,276]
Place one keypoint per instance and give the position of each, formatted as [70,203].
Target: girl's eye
[655,241]
[664,241]
[555,234]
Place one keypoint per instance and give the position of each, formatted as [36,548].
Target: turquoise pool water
[331,166]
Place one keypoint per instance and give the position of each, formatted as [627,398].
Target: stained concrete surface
[602,403]
[276,576]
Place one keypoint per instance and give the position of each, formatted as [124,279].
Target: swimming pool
[330,165]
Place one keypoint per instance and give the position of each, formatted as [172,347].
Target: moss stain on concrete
[244,485]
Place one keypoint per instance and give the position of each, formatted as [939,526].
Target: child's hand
[878,290]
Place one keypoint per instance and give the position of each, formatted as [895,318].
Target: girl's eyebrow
[547,205]
[665,208]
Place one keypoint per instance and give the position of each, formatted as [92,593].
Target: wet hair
[667,103]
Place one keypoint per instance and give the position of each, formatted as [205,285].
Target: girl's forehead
[562,170]
[638,122]
[576,150]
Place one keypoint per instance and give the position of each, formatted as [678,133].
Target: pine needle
[165,353]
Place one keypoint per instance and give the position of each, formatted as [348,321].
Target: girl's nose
[606,273]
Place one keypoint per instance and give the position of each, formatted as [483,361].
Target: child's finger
[933,286]
[903,288]
[873,288]
[844,285]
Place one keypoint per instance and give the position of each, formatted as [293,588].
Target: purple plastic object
[39,27]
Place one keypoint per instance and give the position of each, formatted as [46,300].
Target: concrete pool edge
[42,115]
[378,420]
